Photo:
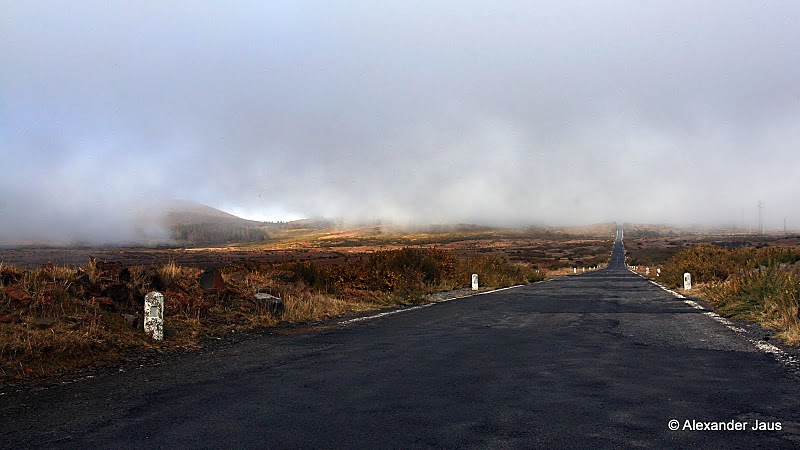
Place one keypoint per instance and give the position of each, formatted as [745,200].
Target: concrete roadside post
[154,315]
[474,281]
[647,271]
[272,304]
[687,281]
[658,272]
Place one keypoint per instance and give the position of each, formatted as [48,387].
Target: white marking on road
[398,311]
[383,314]
[496,290]
[788,360]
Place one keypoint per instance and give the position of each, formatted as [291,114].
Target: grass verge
[55,319]
[760,285]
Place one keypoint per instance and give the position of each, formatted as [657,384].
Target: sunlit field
[59,316]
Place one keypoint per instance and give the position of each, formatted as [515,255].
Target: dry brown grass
[81,333]
[170,273]
[756,284]
[57,318]
[769,295]
[310,307]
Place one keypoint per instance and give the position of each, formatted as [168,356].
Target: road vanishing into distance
[598,360]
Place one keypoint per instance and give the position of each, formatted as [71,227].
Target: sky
[500,113]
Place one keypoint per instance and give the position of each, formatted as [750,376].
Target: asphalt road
[599,360]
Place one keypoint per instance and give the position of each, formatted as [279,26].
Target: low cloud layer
[429,112]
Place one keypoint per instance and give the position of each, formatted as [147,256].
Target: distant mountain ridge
[179,213]
[198,224]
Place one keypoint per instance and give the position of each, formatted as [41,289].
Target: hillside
[192,213]
[193,223]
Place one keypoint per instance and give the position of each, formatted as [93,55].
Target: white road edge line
[783,357]
[398,311]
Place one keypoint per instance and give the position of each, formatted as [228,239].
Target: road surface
[598,360]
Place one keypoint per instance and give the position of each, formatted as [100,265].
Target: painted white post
[574,270]
[154,315]
[583,269]
[658,272]
[474,281]
[647,271]
[687,281]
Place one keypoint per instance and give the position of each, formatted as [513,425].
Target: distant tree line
[209,233]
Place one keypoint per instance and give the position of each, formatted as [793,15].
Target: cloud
[554,112]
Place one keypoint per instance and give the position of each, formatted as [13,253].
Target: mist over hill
[504,114]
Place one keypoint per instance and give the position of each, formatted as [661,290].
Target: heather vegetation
[412,272]
[59,318]
[758,284]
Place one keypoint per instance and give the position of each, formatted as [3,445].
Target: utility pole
[760,218]
[784,226]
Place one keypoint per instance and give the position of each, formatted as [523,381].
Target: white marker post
[658,272]
[154,315]
[647,271]
[687,281]
[574,270]
[474,281]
